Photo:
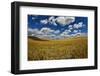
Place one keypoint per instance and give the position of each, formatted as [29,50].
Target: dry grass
[72,48]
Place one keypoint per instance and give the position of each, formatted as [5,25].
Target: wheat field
[72,48]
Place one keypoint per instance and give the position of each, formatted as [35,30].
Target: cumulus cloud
[65,33]
[32,32]
[48,33]
[46,30]
[70,27]
[81,34]
[75,31]
[65,20]
[42,33]
[62,20]
[51,36]
[57,31]
[79,25]
[78,34]
[52,20]
[45,21]
[62,36]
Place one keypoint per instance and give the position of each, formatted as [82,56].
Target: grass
[72,48]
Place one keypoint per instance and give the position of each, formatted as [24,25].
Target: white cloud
[70,27]
[45,21]
[49,33]
[79,25]
[65,20]
[32,32]
[57,31]
[75,31]
[46,30]
[51,36]
[78,34]
[52,20]
[68,31]
[61,20]
[72,35]
[45,33]
[65,33]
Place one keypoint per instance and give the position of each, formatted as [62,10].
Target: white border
[26,65]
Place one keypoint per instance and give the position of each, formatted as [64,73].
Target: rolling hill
[36,38]
[72,48]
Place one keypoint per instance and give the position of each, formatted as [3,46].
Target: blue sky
[56,26]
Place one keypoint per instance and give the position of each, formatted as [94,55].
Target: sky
[57,27]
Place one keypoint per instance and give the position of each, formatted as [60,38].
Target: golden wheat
[72,48]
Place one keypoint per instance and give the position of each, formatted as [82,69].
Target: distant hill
[36,38]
